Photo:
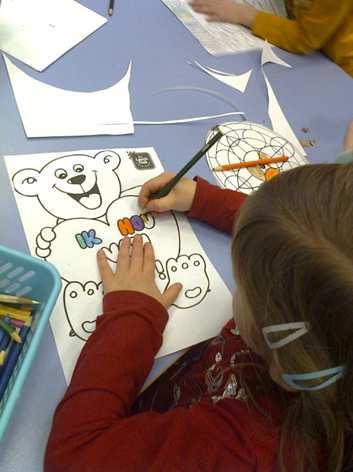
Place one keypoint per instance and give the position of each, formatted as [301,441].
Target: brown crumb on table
[307,142]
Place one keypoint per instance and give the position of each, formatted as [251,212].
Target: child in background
[271,392]
[325,25]
[347,155]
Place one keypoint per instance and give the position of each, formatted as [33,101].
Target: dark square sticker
[141,160]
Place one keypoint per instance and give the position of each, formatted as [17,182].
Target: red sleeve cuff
[215,206]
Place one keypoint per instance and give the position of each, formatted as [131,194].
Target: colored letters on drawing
[135,223]
[87,239]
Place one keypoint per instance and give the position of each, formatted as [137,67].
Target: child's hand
[135,269]
[180,198]
[348,139]
[226,11]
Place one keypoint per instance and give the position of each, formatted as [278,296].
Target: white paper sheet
[50,111]
[238,82]
[245,141]
[279,121]
[222,38]
[72,204]
[38,32]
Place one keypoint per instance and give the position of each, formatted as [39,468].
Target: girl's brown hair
[293,261]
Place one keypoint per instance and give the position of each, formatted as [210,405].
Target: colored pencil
[19,324]
[4,353]
[15,300]
[111,7]
[14,313]
[10,330]
[11,360]
[245,164]
[172,183]
[4,341]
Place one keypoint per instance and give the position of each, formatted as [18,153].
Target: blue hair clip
[334,374]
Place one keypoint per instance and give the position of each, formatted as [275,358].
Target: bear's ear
[26,182]
[109,159]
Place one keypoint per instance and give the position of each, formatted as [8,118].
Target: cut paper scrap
[268,55]
[278,120]
[245,141]
[51,111]
[238,82]
[188,120]
[38,32]
[73,204]
[218,95]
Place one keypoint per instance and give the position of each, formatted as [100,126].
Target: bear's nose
[78,179]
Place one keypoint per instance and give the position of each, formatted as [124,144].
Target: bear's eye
[29,180]
[60,173]
[78,168]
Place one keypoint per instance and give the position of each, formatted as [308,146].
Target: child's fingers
[149,260]
[137,253]
[103,266]
[199,3]
[123,260]
[171,294]
[159,205]
[203,6]
[211,18]
[152,186]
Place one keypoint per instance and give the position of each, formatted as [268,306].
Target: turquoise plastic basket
[25,275]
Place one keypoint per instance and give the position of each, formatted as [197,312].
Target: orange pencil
[258,162]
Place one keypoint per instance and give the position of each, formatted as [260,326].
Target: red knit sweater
[197,417]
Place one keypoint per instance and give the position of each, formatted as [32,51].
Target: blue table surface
[314,94]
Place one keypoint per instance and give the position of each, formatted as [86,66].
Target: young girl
[314,24]
[271,392]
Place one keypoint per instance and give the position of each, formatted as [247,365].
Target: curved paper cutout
[51,111]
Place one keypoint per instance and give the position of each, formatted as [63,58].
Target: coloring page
[245,141]
[73,204]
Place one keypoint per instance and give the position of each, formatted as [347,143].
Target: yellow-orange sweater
[318,24]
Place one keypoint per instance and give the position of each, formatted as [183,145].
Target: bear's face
[74,186]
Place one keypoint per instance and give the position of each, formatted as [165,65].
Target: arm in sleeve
[215,206]
[92,428]
[110,370]
[309,32]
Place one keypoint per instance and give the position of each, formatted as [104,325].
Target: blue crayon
[11,360]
